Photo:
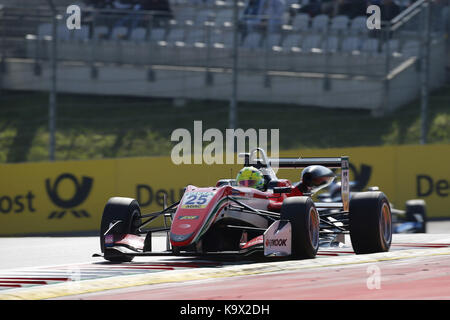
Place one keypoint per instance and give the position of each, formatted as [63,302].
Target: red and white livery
[282,220]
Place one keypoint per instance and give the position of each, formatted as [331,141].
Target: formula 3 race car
[411,220]
[281,220]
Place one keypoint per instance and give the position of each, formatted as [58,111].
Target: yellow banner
[401,172]
[69,196]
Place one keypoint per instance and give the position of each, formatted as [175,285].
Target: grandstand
[289,56]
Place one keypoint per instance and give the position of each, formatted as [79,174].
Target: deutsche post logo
[82,190]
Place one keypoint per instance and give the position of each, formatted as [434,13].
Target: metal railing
[202,40]
[202,37]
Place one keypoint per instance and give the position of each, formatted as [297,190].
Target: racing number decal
[196,200]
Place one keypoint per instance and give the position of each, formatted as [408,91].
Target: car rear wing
[305,162]
[297,163]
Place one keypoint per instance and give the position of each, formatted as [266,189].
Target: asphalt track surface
[417,267]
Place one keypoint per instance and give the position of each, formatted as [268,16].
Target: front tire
[370,222]
[126,210]
[304,219]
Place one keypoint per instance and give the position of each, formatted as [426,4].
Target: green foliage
[95,127]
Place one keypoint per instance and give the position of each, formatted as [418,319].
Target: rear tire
[370,222]
[126,210]
[304,219]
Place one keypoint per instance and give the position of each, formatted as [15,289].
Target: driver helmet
[250,177]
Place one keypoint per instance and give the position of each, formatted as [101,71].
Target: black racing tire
[417,206]
[305,222]
[128,211]
[370,222]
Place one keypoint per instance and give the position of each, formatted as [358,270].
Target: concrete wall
[144,53]
[190,83]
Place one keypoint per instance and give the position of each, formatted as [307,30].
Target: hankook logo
[82,191]
[276,242]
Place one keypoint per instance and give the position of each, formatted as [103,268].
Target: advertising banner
[69,196]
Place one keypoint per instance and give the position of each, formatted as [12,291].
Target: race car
[254,214]
[411,220]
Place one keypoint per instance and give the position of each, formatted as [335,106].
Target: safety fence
[190,53]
